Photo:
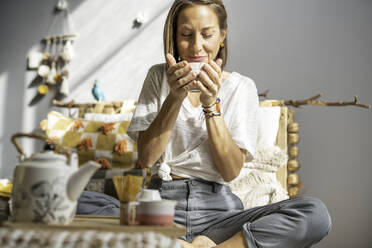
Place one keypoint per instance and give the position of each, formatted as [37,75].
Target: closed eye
[186,35]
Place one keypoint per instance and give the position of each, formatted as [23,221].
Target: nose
[197,43]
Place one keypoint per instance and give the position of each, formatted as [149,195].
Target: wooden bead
[293,179]
[293,152]
[293,191]
[293,138]
[293,127]
[293,165]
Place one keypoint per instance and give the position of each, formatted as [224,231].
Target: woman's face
[198,34]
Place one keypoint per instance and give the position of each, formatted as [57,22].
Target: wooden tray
[103,224]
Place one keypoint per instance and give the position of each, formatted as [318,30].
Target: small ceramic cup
[149,195]
[156,212]
[196,68]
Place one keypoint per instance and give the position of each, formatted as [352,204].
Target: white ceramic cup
[149,195]
[196,68]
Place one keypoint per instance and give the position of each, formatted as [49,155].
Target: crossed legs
[298,222]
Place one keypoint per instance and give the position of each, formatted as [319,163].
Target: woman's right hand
[180,79]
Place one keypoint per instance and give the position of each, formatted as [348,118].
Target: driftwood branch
[65,36]
[264,94]
[313,101]
[295,103]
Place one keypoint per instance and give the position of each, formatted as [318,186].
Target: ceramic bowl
[196,68]
[156,212]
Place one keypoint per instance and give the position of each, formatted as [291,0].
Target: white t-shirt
[188,153]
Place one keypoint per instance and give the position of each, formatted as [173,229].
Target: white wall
[295,49]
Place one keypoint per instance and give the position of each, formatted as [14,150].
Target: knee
[317,218]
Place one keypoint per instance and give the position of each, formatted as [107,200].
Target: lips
[198,58]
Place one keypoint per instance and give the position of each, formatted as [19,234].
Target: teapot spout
[79,179]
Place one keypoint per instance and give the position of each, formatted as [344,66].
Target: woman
[196,142]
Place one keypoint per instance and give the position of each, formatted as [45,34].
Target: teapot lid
[48,155]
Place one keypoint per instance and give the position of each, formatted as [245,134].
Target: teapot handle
[43,137]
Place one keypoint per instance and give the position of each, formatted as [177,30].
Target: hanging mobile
[58,52]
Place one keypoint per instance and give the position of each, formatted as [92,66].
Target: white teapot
[46,185]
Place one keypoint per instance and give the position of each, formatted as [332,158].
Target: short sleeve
[148,104]
[241,115]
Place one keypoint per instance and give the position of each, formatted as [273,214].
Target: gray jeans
[211,209]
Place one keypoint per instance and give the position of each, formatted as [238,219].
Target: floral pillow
[102,141]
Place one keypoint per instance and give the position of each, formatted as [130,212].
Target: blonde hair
[170,27]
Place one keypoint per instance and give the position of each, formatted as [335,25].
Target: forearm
[227,156]
[152,142]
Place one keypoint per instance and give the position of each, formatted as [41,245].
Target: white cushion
[268,125]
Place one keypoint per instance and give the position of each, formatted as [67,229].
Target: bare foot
[185,244]
[203,241]
[199,242]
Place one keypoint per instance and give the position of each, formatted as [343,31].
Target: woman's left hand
[209,83]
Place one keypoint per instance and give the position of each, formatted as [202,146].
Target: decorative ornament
[97,91]
[293,165]
[62,5]
[293,127]
[52,74]
[293,191]
[64,88]
[34,60]
[293,138]
[293,179]
[293,152]
[141,18]
[43,89]
[43,71]
[67,53]
[58,78]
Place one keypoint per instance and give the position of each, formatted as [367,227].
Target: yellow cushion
[69,132]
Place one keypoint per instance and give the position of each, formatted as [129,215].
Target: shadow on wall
[108,47]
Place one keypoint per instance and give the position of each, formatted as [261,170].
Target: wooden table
[102,224]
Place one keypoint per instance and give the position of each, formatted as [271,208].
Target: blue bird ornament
[97,91]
